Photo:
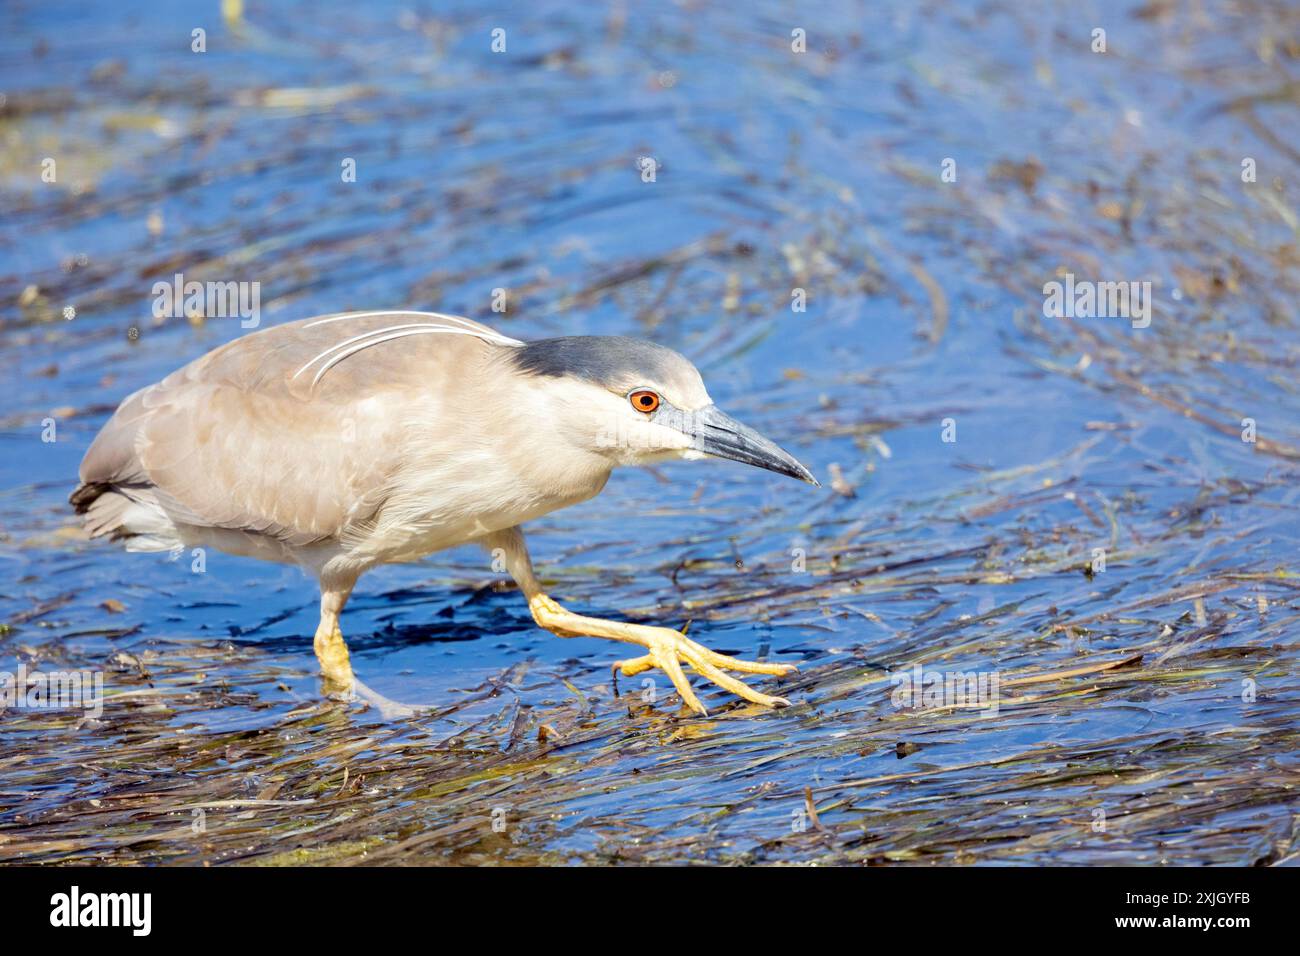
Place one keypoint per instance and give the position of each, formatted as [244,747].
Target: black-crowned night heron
[346,441]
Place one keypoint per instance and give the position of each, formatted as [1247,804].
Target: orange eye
[644,401]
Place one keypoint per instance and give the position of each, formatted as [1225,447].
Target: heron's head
[635,402]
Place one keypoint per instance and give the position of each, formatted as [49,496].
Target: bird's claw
[669,649]
[388,708]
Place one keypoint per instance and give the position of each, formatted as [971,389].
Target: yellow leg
[336,665]
[668,650]
[331,649]
[332,652]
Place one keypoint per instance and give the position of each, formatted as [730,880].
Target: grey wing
[293,433]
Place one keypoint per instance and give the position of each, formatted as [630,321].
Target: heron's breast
[443,508]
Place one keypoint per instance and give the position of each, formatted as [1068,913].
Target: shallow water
[818,171]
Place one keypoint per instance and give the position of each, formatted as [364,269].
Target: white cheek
[641,441]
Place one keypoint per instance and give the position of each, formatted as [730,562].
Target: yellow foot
[388,708]
[668,649]
[341,684]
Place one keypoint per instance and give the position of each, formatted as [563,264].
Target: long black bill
[718,434]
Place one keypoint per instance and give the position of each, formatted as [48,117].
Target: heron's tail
[125,513]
